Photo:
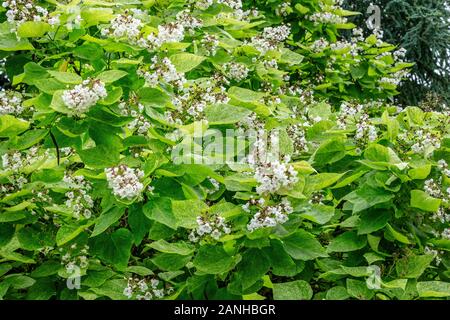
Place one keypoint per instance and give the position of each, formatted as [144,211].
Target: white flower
[125,181]
[269,216]
[213,226]
[128,292]
[162,71]
[10,103]
[124,25]
[83,96]
[236,71]
[273,176]
[270,38]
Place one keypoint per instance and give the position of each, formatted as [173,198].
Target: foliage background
[360,200]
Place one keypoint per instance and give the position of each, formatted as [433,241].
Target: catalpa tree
[214,149]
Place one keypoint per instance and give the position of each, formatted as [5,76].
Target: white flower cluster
[354,114]
[186,19]
[215,185]
[274,175]
[15,183]
[124,25]
[213,226]
[297,133]
[16,160]
[251,122]
[441,215]
[446,234]
[125,181]
[423,139]
[83,96]
[272,171]
[284,9]
[233,4]
[41,196]
[235,71]
[162,70]
[358,35]
[348,113]
[78,198]
[400,54]
[276,34]
[168,33]
[197,95]
[202,4]
[146,289]
[20,11]
[435,190]
[10,103]
[364,130]
[139,124]
[267,216]
[270,38]
[319,45]
[435,253]
[326,18]
[74,258]
[352,48]
[210,43]
[443,166]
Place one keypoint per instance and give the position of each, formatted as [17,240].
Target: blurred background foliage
[420,26]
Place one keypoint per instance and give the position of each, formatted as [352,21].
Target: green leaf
[396,235]
[114,248]
[160,209]
[138,222]
[367,196]
[337,293]
[371,221]
[253,266]
[434,289]
[319,213]
[106,219]
[99,157]
[6,233]
[185,62]
[348,241]
[180,248]
[359,289]
[320,181]
[302,245]
[170,261]
[294,290]
[66,77]
[187,211]
[422,201]
[11,126]
[280,261]
[420,173]
[212,259]
[32,29]
[413,266]
[69,232]
[110,76]
[10,42]
[219,114]
[329,152]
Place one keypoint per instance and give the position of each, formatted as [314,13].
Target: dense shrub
[102,95]
[422,28]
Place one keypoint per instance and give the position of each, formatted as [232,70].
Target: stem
[56,146]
